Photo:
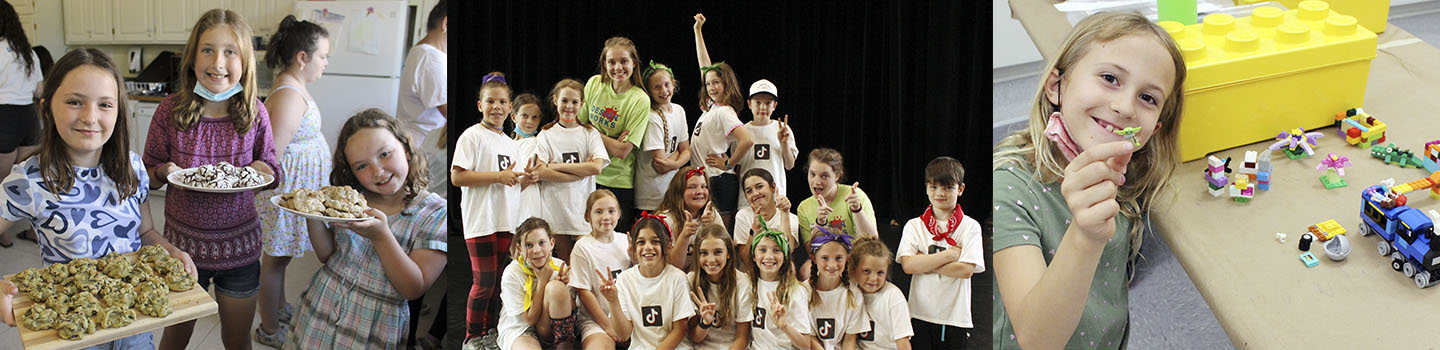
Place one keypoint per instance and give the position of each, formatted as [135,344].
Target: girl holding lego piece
[373,267]
[782,303]
[836,305]
[685,209]
[616,104]
[300,50]
[667,139]
[723,294]
[216,117]
[604,250]
[884,303]
[1065,183]
[652,296]
[768,208]
[533,289]
[719,128]
[568,156]
[483,166]
[84,151]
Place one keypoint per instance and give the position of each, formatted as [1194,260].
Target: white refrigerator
[367,53]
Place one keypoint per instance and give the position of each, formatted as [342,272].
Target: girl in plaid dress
[372,267]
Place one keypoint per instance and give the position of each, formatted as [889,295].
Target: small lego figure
[1129,134]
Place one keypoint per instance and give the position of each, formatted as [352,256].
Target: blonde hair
[243,109]
[1031,150]
[700,283]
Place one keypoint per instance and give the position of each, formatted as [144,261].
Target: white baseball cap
[763,86]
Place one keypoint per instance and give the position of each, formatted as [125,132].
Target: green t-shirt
[613,114]
[1031,213]
[838,209]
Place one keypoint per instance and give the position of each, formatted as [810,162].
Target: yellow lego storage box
[1370,13]
[1251,77]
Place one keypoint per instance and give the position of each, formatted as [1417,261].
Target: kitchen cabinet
[88,21]
[134,20]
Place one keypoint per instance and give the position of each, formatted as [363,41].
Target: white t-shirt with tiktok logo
[841,312]
[563,203]
[742,310]
[765,334]
[661,134]
[711,136]
[766,154]
[889,319]
[654,304]
[590,255]
[490,208]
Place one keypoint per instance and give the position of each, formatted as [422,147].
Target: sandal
[275,340]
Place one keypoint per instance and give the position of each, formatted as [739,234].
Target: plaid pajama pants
[488,256]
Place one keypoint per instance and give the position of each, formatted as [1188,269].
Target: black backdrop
[890,84]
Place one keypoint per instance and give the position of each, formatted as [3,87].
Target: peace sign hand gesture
[607,287]
[706,309]
[777,311]
[563,276]
[784,133]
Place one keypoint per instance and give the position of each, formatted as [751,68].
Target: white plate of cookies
[221,177]
[329,204]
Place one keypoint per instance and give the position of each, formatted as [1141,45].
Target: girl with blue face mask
[216,117]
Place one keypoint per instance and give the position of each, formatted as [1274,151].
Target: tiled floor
[25,254]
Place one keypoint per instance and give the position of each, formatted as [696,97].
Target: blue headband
[827,237]
[493,77]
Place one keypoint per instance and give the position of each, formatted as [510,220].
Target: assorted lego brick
[1359,129]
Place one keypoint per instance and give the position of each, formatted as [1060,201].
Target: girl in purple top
[216,117]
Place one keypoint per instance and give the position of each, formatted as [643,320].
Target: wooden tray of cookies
[188,305]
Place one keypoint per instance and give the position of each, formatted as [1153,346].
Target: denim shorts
[138,341]
[240,282]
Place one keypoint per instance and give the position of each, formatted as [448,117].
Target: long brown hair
[673,203]
[724,307]
[815,273]
[1029,148]
[341,175]
[13,32]
[187,109]
[56,167]
[731,96]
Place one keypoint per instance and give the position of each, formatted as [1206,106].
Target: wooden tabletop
[1259,290]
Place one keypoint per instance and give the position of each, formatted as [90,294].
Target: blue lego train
[1409,235]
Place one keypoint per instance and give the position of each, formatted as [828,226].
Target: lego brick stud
[1266,16]
[1314,10]
[1305,241]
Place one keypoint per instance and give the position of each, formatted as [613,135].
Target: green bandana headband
[767,232]
[711,67]
[657,67]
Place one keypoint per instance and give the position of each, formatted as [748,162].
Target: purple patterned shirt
[220,231]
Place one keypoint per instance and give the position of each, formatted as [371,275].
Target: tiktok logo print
[868,336]
[570,157]
[935,249]
[825,327]
[503,161]
[650,316]
[759,318]
[762,151]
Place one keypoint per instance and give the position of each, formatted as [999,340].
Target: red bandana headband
[647,214]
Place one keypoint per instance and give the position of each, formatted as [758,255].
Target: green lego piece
[1332,181]
[1129,134]
[1295,153]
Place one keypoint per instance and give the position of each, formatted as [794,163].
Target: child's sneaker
[272,340]
[286,313]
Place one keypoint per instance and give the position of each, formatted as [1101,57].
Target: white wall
[1012,46]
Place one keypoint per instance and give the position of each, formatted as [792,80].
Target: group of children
[690,270]
[85,192]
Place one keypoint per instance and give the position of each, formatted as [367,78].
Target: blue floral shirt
[88,221]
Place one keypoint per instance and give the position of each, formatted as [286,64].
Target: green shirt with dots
[1028,212]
